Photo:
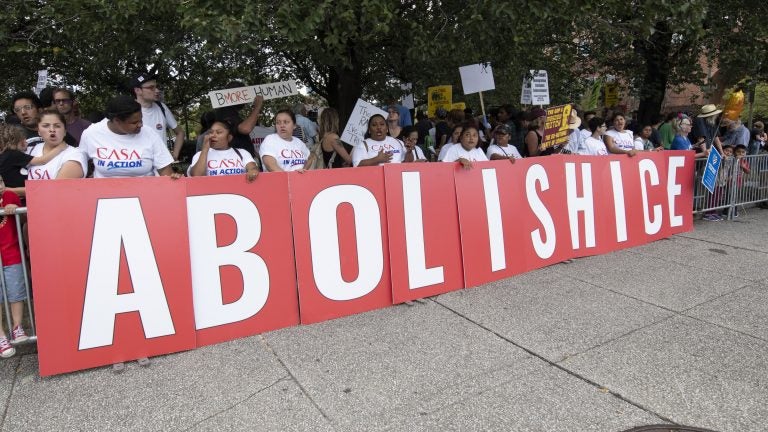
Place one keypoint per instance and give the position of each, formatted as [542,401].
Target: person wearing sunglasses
[155,114]
[64,102]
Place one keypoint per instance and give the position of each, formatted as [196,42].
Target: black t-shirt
[441,128]
[11,163]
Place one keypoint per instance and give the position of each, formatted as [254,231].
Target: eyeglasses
[62,101]
[21,108]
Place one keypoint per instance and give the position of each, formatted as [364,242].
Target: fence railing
[29,318]
[739,182]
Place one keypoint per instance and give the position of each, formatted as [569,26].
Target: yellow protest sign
[459,106]
[556,126]
[439,97]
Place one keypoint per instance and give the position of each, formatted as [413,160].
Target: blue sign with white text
[710,170]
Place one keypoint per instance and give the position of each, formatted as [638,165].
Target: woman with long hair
[329,139]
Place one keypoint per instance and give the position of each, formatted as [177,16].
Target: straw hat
[709,110]
[574,121]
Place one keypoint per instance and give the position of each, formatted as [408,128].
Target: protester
[379,148]
[13,272]
[619,140]
[217,157]
[667,131]
[65,103]
[64,161]
[242,127]
[706,128]
[466,151]
[500,148]
[307,127]
[642,134]
[593,145]
[682,127]
[409,135]
[575,137]
[453,139]
[442,130]
[120,147]
[758,138]
[26,105]
[393,123]
[14,163]
[535,132]
[282,151]
[332,146]
[155,114]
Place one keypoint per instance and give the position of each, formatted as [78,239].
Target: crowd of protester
[45,138]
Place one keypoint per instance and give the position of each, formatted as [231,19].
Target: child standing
[13,288]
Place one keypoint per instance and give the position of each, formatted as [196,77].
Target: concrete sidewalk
[672,332]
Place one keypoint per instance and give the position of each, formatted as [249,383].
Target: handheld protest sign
[244,95]
[357,125]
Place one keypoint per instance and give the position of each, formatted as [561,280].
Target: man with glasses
[26,106]
[64,101]
[155,114]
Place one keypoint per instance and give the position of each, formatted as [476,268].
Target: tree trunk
[655,51]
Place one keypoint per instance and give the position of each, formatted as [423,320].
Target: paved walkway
[671,332]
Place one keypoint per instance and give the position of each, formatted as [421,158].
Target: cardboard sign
[477,78]
[439,97]
[342,242]
[125,265]
[539,88]
[709,179]
[244,95]
[568,206]
[357,125]
[458,106]
[156,266]
[425,244]
[556,126]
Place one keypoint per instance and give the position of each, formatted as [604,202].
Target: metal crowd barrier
[29,316]
[735,188]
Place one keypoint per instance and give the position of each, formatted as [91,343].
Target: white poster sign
[244,95]
[407,100]
[540,87]
[42,80]
[477,78]
[357,126]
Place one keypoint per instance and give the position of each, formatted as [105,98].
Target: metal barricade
[32,334]
[740,182]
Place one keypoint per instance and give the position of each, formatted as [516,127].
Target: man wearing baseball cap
[155,114]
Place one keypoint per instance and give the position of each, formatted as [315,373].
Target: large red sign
[153,266]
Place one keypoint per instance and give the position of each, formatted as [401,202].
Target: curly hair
[10,136]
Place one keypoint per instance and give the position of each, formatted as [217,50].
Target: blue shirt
[680,143]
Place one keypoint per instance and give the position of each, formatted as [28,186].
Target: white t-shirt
[418,154]
[593,147]
[586,133]
[444,150]
[129,155]
[154,119]
[51,169]
[257,134]
[223,162]
[623,140]
[457,152]
[506,152]
[290,155]
[389,144]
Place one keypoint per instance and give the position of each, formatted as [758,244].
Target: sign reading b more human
[244,95]
[357,126]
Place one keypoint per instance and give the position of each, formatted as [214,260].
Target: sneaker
[18,334]
[6,350]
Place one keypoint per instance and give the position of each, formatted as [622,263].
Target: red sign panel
[243,272]
[110,269]
[425,244]
[341,241]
